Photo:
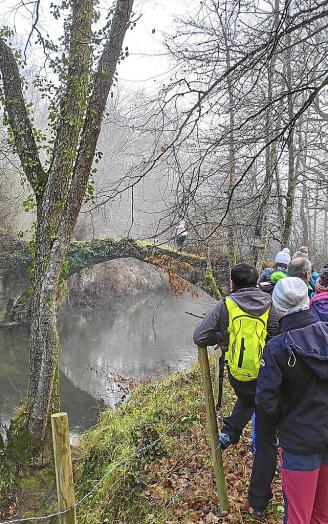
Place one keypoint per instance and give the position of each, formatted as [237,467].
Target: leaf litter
[184,482]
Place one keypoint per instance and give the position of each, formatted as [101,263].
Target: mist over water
[101,348]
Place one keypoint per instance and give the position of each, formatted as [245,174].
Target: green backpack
[247,337]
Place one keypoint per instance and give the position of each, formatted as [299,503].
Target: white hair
[299,267]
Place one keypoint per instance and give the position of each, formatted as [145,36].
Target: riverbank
[148,461]
[153,456]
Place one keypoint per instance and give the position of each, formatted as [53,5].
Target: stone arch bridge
[15,261]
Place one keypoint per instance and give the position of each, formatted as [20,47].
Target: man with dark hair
[241,324]
[244,275]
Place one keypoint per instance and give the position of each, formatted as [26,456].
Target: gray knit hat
[290,295]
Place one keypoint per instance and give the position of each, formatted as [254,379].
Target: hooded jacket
[212,329]
[292,387]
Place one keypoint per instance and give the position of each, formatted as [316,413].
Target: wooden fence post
[213,429]
[63,465]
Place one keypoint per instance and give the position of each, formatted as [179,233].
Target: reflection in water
[100,346]
[82,408]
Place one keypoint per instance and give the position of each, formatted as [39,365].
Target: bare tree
[60,185]
[261,72]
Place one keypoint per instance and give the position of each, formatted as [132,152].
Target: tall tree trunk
[61,190]
[292,178]
[302,158]
[44,316]
[261,233]
[68,128]
[325,226]
[232,249]
[303,216]
[316,213]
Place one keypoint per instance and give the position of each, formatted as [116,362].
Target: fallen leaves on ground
[184,482]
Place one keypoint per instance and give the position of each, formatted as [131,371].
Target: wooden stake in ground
[213,429]
[63,465]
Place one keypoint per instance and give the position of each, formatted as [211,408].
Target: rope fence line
[208,397]
[98,483]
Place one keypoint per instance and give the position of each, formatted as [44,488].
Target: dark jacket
[212,329]
[292,388]
[266,274]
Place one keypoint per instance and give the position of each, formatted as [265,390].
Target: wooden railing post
[213,429]
[63,466]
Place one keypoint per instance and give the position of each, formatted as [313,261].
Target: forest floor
[153,452]
[149,462]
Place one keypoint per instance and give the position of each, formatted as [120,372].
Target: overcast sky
[148,63]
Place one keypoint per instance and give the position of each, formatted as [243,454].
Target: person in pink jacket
[319,303]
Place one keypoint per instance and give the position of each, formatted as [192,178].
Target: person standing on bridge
[181,233]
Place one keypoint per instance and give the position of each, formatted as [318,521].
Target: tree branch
[19,120]
[319,111]
[103,83]
[34,25]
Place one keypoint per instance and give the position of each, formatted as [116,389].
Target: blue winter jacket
[292,388]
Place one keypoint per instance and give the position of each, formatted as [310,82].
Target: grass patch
[27,480]
[139,433]
[7,483]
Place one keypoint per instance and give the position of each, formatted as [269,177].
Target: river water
[103,351]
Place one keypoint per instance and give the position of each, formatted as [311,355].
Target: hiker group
[273,335]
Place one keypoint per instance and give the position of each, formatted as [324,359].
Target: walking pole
[213,429]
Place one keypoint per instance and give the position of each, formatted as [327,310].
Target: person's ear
[232,285]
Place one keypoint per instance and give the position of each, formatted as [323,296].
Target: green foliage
[7,480]
[63,289]
[19,438]
[29,204]
[6,33]
[19,475]
[64,271]
[278,510]
[90,191]
[167,247]
[77,256]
